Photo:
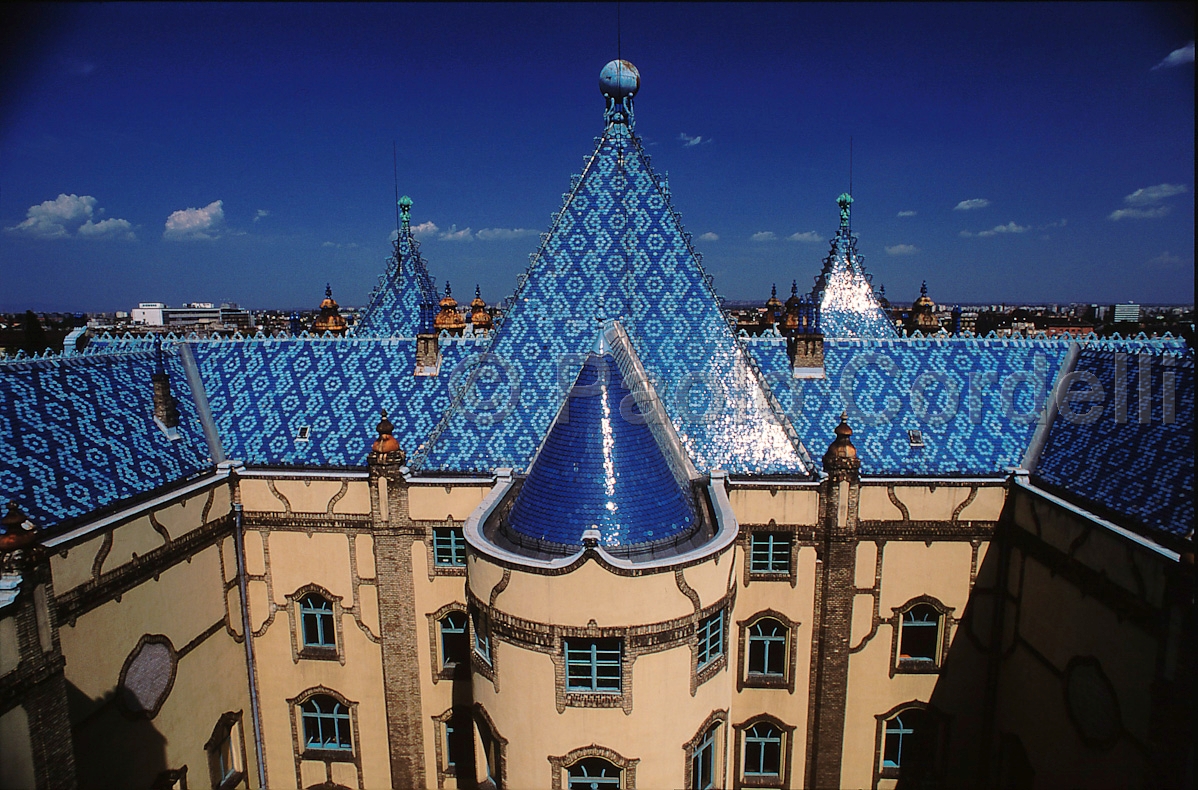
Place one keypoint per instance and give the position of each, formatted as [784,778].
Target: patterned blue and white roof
[1127,448]
[616,250]
[405,300]
[77,434]
[848,305]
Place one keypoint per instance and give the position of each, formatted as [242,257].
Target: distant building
[192,314]
[1126,313]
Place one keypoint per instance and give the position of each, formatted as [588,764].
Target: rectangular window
[451,743]
[769,552]
[593,665]
[711,639]
[449,546]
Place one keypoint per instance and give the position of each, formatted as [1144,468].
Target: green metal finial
[405,209]
[844,201]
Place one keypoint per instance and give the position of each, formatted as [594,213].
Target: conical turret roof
[616,250]
[601,468]
[404,302]
[848,305]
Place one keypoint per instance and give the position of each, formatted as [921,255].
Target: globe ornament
[619,79]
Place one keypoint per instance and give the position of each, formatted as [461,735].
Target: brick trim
[124,704]
[298,649]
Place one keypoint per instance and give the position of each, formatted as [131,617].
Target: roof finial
[844,201]
[618,82]
[448,289]
[774,290]
[794,287]
[405,212]
[328,290]
[923,289]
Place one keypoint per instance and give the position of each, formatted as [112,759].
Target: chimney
[805,340]
[166,410]
[428,355]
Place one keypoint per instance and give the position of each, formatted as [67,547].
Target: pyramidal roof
[848,305]
[601,468]
[615,250]
[403,303]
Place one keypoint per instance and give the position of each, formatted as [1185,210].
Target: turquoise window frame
[316,622]
[594,665]
[449,547]
[769,552]
[326,724]
[711,639]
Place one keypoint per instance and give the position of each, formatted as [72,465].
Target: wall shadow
[113,748]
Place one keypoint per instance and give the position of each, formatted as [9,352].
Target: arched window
[767,648]
[326,723]
[910,744]
[593,773]
[921,636]
[703,760]
[453,639]
[316,616]
[763,751]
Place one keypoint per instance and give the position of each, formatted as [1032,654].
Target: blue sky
[237,152]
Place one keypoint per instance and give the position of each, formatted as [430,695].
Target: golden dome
[386,443]
[449,319]
[842,455]
[330,319]
[478,312]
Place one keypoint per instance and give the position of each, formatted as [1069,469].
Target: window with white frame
[593,665]
[762,750]
[768,653]
[920,640]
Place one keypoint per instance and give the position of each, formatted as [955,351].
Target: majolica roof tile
[1134,464]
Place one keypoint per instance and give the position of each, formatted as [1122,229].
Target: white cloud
[493,234]
[709,236]
[1177,57]
[453,234]
[1010,227]
[972,203]
[808,236]
[688,141]
[261,214]
[763,235]
[1058,224]
[907,213]
[71,215]
[1165,260]
[107,229]
[902,249]
[1138,213]
[423,230]
[1149,196]
[196,223]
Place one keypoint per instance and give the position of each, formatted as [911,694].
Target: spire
[848,305]
[615,249]
[923,289]
[405,300]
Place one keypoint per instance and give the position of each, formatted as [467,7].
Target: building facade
[612,542]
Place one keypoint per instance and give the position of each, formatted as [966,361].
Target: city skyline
[191,152]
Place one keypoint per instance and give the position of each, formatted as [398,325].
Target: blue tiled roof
[263,390]
[405,299]
[77,434]
[616,250]
[848,305]
[599,470]
[1138,470]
